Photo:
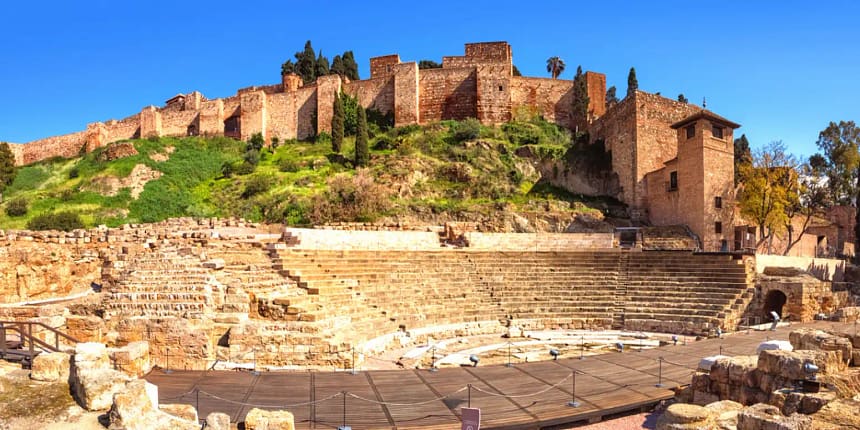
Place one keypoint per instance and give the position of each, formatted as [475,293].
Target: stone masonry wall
[67,145]
[447,94]
[375,93]
[617,129]
[494,93]
[552,98]
[127,128]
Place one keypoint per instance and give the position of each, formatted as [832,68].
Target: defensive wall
[479,84]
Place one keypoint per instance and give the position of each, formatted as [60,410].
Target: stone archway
[774,301]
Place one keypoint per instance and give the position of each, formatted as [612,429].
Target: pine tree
[337,66]
[632,82]
[337,129]
[515,71]
[322,68]
[306,63]
[350,66]
[7,167]
[362,152]
[288,67]
[743,156]
[682,99]
[611,97]
[580,98]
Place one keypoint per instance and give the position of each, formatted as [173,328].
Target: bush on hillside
[288,165]
[467,129]
[257,184]
[358,198]
[16,207]
[65,221]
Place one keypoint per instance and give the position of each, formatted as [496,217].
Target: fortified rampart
[479,84]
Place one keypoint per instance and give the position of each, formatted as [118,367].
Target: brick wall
[447,94]
[494,93]
[406,90]
[383,66]
[176,123]
[127,128]
[66,145]
[617,129]
[596,90]
[552,98]
[253,105]
[211,120]
[327,88]
[376,93]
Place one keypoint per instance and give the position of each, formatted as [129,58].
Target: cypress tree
[337,66]
[288,67]
[322,68]
[682,99]
[632,82]
[350,66]
[337,129]
[7,167]
[580,98]
[362,152]
[611,97]
[306,63]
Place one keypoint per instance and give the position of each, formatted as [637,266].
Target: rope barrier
[356,396]
[257,405]
[524,395]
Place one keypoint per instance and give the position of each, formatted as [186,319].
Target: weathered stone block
[767,417]
[135,408]
[185,412]
[50,367]
[789,364]
[133,359]
[91,355]
[94,388]
[258,419]
[682,416]
[726,413]
[822,341]
[218,421]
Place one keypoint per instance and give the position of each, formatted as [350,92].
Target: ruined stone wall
[494,93]
[447,94]
[282,115]
[827,269]
[383,66]
[127,128]
[617,129]
[375,93]
[306,106]
[406,88]
[211,119]
[175,123]
[327,88]
[67,145]
[596,89]
[552,98]
[17,152]
[253,107]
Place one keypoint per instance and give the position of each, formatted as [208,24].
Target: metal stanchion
[344,426]
[660,372]
[573,403]
[469,401]
[433,359]
[509,356]
[581,347]
[167,370]
[353,371]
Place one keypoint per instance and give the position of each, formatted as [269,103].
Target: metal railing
[28,344]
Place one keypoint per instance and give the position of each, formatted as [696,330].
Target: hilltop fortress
[662,152]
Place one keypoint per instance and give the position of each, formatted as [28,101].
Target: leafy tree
[337,66]
[806,199]
[17,207]
[306,63]
[769,190]
[682,99]
[632,82]
[516,71]
[839,148]
[743,156]
[350,114]
[256,142]
[580,98]
[288,67]
[337,128]
[322,68]
[362,151]
[555,66]
[350,67]
[65,221]
[428,64]
[7,167]
[611,97]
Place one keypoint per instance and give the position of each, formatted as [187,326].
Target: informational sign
[471,419]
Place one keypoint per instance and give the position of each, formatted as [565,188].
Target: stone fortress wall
[479,84]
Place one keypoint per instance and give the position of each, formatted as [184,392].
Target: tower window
[691,131]
[718,202]
[501,88]
[673,181]
[717,131]
[718,227]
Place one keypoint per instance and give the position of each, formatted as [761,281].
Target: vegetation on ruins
[682,98]
[428,64]
[64,220]
[632,82]
[310,65]
[16,207]
[580,97]
[515,71]
[362,150]
[7,167]
[445,170]
[611,97]
[555,66]
[743,156]
[337,124]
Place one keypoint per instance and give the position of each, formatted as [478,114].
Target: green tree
[515,71]
[350,114]
[555,66]
[611,97]
[743,156]
[306,63]
[632,82]
[769,190]
[682,99]
[337,129]
[362,151]
[350,67]
[322,68]
[7,167]
[428,64]
[807,197]
[839,148]
[337,66]
[580,98]
[288,67]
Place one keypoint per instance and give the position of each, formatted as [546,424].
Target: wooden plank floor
[528,395]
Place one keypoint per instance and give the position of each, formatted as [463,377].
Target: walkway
[527,395]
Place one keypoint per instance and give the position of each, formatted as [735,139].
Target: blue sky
[782,69]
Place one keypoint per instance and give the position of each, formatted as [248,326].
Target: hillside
[447,171]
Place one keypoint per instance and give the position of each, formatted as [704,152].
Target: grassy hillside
[415,172]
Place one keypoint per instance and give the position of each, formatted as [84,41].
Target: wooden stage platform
[525,396]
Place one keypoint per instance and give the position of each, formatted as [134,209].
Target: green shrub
[252,157]
[65,221]
[385,142]
[16,207]
[467,129]
[255,143]
[74,173]
[275,142]
[257,184]
[323,138]
[522,133]
[244,168]
[227,169]
[288,165]
[385,121]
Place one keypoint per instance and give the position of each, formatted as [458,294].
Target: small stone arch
[774,301]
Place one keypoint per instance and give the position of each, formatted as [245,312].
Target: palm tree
[555,66]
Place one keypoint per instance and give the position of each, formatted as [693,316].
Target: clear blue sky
[782,69]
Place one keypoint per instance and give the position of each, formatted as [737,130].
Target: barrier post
[581,347]
[509,356]
[660,372]
[573,403]
[167,370]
